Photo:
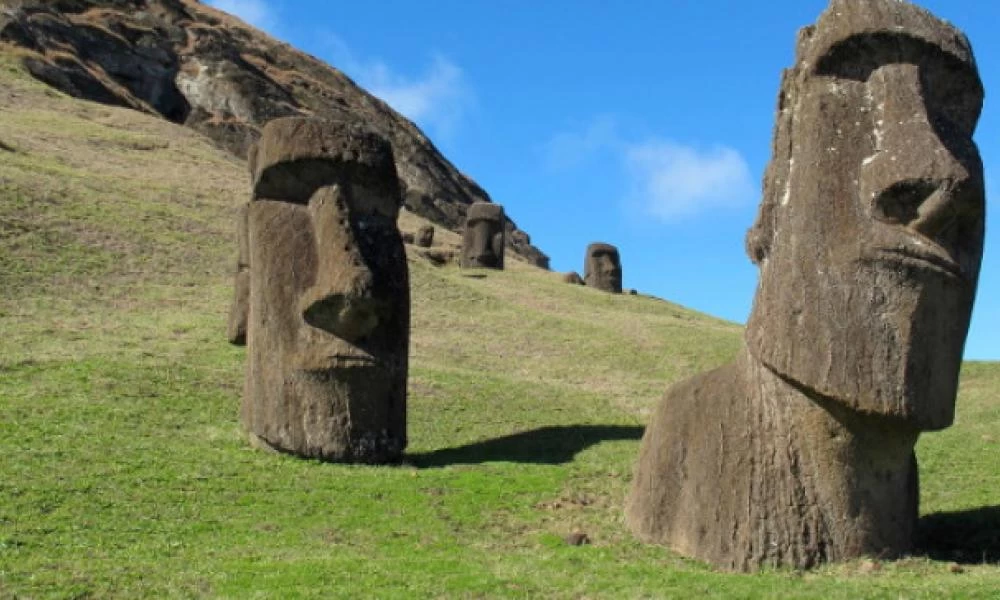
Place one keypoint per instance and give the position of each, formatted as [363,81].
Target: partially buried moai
[869,240]
[329,306]
[602,268]
[425,236]
[236,329]
[483,238]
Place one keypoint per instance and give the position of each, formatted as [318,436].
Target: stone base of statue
[742,469]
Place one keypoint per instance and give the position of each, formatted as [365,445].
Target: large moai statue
[869,240]
[329,294]
[483,238]
[602,268]
[236,329]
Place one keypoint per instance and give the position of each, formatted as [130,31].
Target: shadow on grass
[967,536]
[545,445]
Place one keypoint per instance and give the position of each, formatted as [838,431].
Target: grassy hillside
[123,469]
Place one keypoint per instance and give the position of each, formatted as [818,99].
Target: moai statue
[602,268]
[869,240]
[572,277]
[483,240]
[425,236]
[329,294]
[236,330]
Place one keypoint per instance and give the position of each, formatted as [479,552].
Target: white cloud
[436,100]
[672,180]
[254,12]
[663,178]
[571,148]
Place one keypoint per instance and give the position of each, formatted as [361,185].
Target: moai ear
[776,179]
[761,233]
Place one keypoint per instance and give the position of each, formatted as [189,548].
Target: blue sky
[641,123]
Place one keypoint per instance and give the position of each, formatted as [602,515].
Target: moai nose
[914,178]
[609,265]
[340,300]
[483,252]
[349,318]
[929,206]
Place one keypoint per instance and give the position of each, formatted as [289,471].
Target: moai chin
[869,240]
[236,329]
[329,294]
[602,268]
[483,238]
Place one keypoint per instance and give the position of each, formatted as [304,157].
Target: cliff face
[198,66]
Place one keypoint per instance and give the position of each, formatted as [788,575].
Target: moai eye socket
[950,87]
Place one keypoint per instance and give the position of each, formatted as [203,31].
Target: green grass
[125,474]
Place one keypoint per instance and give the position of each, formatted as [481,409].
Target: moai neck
[829,483]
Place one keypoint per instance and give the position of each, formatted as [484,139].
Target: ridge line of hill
[195,65]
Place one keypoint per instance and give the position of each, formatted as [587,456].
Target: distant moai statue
[572,277]
[483,238]
[329,294]
[236,329]
[869,241]
[602,268]
[425,236]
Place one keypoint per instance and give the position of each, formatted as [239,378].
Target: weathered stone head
[602,268]
[329,294]
[483,240]
[869,241]
[870,233]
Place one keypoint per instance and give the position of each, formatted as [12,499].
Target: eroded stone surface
[869,240]
[483,237]
[329,294]
[603,268]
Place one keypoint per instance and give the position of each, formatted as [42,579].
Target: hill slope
[124,472]
[196,65]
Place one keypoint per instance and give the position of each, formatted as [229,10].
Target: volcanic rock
[196,65]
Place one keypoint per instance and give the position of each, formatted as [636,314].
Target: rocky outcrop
[198,66]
